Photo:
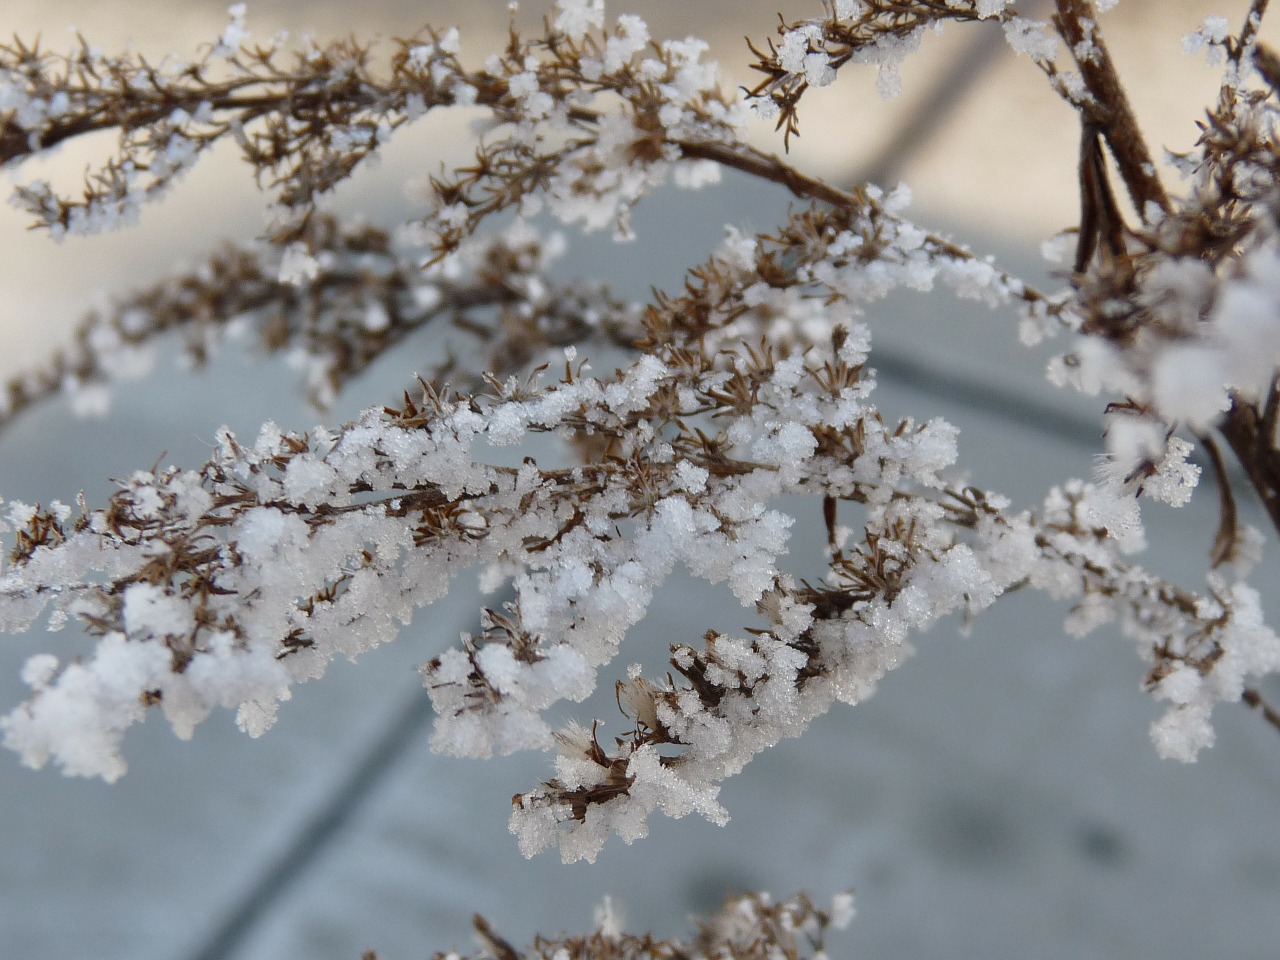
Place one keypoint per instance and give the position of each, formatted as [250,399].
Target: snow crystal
[639,383]
[79,720]
[1132,441]
[690,478]
[1057,248]
[464,94]
[696,174]
[1175,479]
[765,108]
[818,70]
[419,56]
[1116,513]
[1096,365]
[259,532]
[1247,315]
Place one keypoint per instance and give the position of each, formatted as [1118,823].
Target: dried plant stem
[1109,109]
[1224,547]
[1249,31]
[1254,699]
[769,167]
[1244,432]
[1227,538]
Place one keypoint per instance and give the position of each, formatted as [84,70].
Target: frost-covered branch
[429,490]
[357,295]
[306,120]
[811,52]
[739,401]
[224,586]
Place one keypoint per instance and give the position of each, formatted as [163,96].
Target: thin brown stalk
[1109,108]
[1249,31]
[1242,428]
[1227,538]
[1254,699]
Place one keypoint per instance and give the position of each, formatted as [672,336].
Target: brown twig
[1243,430]
[493,944]
[1109,109]
[1100,218]
[1249,31]
[1227,538]
[1254,699]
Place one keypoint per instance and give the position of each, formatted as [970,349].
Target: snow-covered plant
[224,584]
[749,927]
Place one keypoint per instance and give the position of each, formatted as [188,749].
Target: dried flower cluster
[223,585]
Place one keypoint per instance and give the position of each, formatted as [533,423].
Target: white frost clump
[1189,384]
[575,17]
[235,33]
[87,399]
[1249,649]
[1211,35]
[1031,37]
[150,612]
[1175,479]
[630,37]
[1227,339]
[511,718]
[80,719]
[843,910]
[297,265]
[39,670]
[797,55]
[991,8]
[887,53]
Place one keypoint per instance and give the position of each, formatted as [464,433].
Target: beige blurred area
[977,134]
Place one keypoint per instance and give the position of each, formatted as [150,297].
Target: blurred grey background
[997,798]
